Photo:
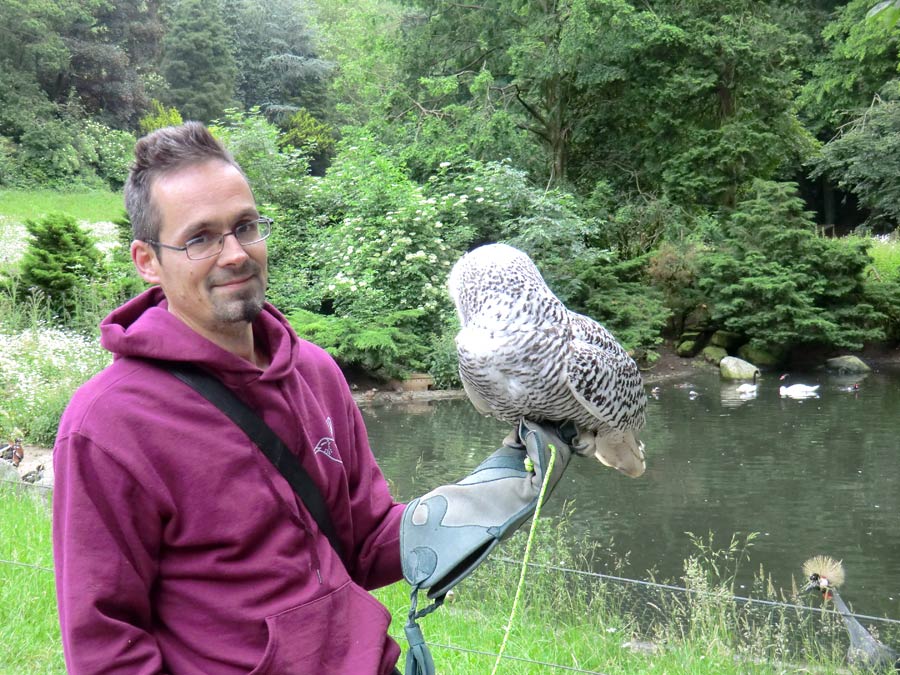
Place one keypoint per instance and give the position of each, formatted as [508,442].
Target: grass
[885,254]
[29,625]
[88,205]
[566,620]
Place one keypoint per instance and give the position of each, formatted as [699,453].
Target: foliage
[109,152]
[887,11]
[865,160]
[275,49]
[378,243]
[616,293]
[721,78]
[777,282]
[860,57]
[383,345]
[311,137]
[61,258]
[362,39]
[197,60]
[255,145]
[158,117]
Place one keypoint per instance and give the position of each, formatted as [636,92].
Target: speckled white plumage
[523,354]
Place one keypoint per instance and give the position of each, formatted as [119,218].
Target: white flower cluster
[37,362]
[13,241]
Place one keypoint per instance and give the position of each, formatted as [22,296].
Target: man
[178,546]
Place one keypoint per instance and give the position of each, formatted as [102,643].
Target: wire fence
[646,604]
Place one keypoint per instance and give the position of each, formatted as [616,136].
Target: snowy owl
[523,354]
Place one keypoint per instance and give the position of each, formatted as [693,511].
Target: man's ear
[145,261]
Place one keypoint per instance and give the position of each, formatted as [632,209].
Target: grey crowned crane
[825,574]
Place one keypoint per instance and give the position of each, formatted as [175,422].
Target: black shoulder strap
[212,389]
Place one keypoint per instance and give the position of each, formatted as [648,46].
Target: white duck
[798,390]
[747,388]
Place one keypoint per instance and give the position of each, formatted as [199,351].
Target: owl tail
[620,450]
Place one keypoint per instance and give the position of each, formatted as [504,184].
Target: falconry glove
[447,533]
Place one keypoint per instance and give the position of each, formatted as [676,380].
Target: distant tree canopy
[664,163]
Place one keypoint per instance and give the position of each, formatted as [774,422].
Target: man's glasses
[208,245]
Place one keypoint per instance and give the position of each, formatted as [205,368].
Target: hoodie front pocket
[342,632]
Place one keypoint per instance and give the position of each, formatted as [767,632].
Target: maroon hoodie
[180,549]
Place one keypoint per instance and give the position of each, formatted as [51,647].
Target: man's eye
[244,228]
[198,240]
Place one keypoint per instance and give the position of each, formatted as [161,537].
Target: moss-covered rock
[713,354]
[764,357]
[733,368]
[847,364]
[688,348]
[725,339]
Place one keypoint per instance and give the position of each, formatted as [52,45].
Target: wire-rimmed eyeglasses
[208,245]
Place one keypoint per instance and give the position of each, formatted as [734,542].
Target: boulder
[8,473]
[733,368]
[765,357]
[688,348]
[725,339]
[847,364]
[697,319]
[713,354]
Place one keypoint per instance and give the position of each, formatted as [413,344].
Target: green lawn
[89,205]
[566,620]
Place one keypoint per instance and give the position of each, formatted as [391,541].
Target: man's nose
[232,250]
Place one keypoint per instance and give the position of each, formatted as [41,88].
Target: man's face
[221,294]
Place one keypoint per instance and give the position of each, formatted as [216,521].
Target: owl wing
[603,378]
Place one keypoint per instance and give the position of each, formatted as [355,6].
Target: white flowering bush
[40,368]
[380,243]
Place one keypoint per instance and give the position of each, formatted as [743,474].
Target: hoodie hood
[144,328]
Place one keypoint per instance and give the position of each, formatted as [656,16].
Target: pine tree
[60,259]
[777,282]
[198,62]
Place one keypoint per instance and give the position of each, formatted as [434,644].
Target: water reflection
[810,475]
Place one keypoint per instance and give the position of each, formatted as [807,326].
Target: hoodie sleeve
[106,530]
[376,515]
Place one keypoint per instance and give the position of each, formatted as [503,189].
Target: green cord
[531,531]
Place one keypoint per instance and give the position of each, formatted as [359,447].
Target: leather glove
[447,533]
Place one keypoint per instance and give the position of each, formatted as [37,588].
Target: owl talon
[582,448]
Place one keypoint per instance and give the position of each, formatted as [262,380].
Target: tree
[777,282]
[864,158]
[705,105]
[59,260]
[277,57]
[198,62]
[861,57]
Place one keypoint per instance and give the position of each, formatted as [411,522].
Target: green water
[817,476]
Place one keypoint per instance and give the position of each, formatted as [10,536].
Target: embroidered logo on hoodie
[327,446]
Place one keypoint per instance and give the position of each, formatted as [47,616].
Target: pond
[814,476]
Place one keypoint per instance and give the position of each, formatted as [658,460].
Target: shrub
[254,142]
[775,281]
[385,346]
[60,259]
[159,117]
